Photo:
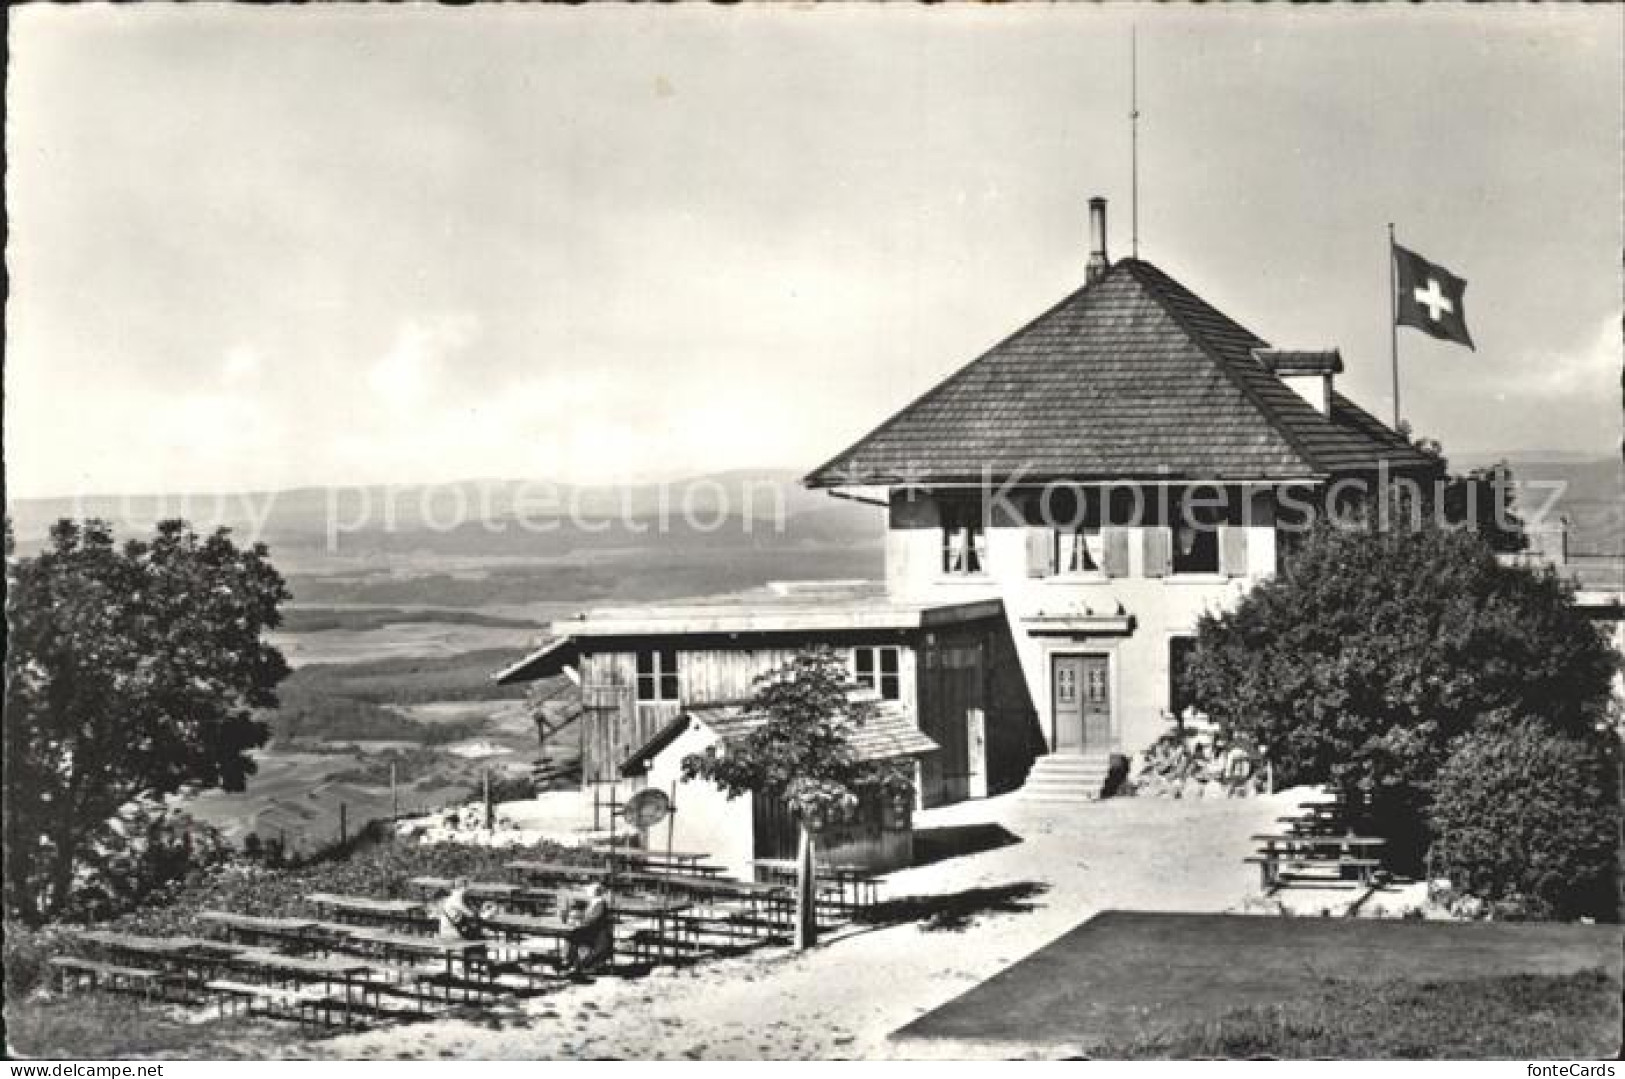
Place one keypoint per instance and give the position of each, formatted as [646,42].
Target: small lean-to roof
[889,733]
[1132,377]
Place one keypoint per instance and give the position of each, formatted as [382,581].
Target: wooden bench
[71,966]
[1271,866]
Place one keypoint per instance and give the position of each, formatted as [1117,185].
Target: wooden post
[490,813]
[394,796]
[806,895]
[976,750]
[671,821]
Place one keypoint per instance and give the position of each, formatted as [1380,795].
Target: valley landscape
[398,621]
[402,610]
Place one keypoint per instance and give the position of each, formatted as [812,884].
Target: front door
[1082,704]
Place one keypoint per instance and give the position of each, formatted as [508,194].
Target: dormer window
[964,539]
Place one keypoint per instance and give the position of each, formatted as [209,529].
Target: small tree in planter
[801,755]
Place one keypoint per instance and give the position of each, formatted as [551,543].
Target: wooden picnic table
[864,886]
[690,862]
[327,970]
[513,896]
[1361,842]
[297,931]
[454,951]
[1343,851]
[366,904]
[365,910]
[184,956]
[477,889]
[556,931]
[682,882]
[558,870]
[132,942]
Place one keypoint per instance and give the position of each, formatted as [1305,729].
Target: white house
[1060,511]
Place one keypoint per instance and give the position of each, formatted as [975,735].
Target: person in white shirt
[456,916]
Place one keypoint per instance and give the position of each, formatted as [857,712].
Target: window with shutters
[879,668]
[1195,539]
[1080,550]
[1073,518]
[657,676]
[964,539]
[1196,548]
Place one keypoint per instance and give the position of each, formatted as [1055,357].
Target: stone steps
[1075,779]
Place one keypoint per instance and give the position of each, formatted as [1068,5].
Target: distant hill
[496,518]
[1592,496]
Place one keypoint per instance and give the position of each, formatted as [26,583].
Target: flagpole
[1393,321]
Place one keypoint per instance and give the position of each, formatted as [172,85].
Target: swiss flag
[1429,298]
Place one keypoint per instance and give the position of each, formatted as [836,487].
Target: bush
[1528,820]
[371,865]
[1373,652]
[1116,783]
[140,855]
[512,788]
[25,954]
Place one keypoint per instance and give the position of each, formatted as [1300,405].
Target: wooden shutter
[1233,551]
[1115,563]
[1159,551]
[1040,552]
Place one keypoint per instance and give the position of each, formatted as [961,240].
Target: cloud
[407,376]
[242,364]
[1579,373]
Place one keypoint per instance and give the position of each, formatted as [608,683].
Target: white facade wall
[1161,607]
[706,820]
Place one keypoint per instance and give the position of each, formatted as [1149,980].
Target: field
[394,634]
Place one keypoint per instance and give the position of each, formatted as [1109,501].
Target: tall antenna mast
[1134,138]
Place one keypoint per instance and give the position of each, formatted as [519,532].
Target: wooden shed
[736,832]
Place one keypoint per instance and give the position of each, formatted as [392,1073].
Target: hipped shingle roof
[1133,377]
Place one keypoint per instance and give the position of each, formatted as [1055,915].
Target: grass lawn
[1524,1016]
[97,1026]
[1143,984]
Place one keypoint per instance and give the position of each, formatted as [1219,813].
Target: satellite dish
[646,808]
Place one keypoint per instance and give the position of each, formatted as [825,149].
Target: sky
[261,247]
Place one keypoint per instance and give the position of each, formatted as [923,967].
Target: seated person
[457,917]
[1238,769]
[592,936]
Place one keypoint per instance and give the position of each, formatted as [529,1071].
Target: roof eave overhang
[839,619]
[948,481]
[544,662]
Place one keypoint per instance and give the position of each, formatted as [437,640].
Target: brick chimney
[1098,263]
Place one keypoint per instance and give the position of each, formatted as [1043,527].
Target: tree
[801,755]
[1529,819]
[1373,649]
[131,672]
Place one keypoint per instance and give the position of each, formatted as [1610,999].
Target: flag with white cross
[1429,297]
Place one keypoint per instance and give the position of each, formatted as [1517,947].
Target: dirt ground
[1007,876]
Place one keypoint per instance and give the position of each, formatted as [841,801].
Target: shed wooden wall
[965,667]
[615,723]
[864,843]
